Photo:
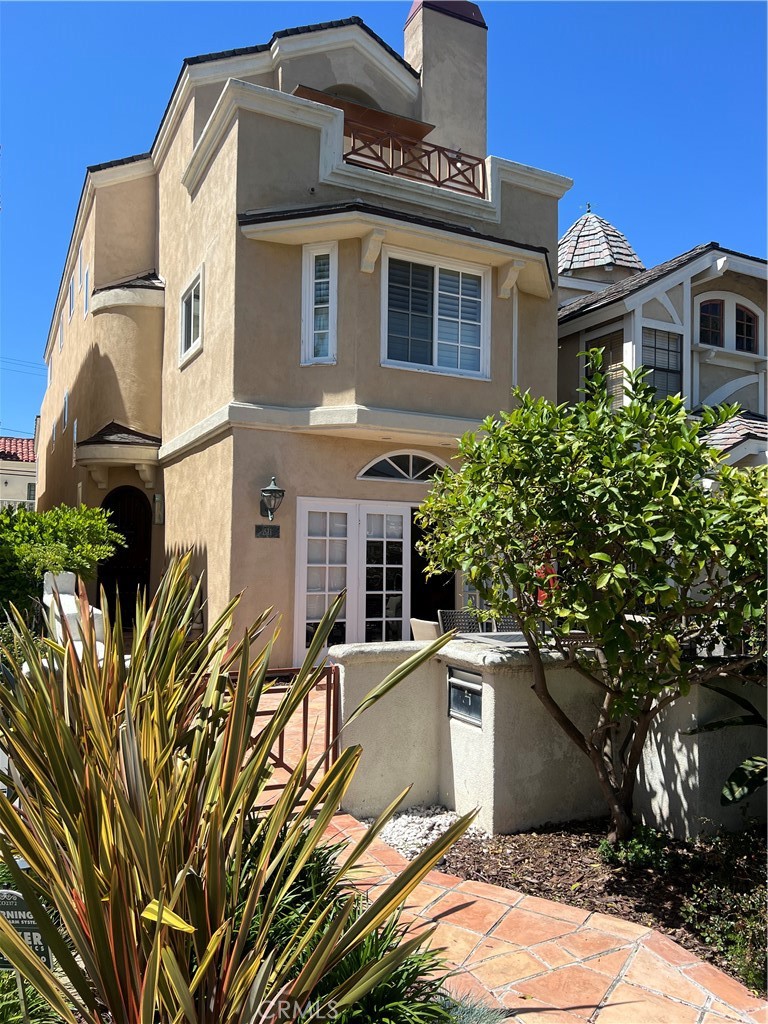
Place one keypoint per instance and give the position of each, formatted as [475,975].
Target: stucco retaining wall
[518,767]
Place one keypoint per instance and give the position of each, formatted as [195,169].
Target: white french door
[365,547]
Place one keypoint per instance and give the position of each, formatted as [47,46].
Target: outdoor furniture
[423,629]
[60,599]
[464,620]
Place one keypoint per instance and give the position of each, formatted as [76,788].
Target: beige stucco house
[317,273]
[696,321]
[18,472]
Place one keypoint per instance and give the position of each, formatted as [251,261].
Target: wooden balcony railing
[409,158]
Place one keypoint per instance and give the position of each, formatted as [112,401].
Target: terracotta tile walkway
[549,963]
[546,962]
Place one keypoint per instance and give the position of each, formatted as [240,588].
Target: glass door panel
[385,571]
[326,571]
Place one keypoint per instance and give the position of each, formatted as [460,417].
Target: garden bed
[709,896]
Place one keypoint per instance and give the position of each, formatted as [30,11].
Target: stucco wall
[681,776]
[519,768]
[125,238]
[14,478]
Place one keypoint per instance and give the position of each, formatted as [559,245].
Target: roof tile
[17,449]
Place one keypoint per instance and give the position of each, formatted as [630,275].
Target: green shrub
[10,1007]
[62,539]
[646,849]
[733,923]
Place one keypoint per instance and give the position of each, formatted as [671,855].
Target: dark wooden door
[128,568]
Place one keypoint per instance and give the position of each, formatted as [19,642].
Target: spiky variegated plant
[138,788]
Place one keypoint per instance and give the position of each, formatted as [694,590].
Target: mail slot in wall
[465,696]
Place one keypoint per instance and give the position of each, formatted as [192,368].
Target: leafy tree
[60,539]
[618,538]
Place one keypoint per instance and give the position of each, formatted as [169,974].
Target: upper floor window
[746,330]
[711,323]
[399,466]
[86,281]
[192,318]
[30,492]
[74,442]
[71,296]
[318,305]
[80,267]
[437,315]
[728,321]
[61,334]
[663,356]
[53,436]
[65,415]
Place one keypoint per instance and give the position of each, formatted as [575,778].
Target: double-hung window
[71,296]
[318,304]
[192,318]
[746,330]
[436,315]
[663,356]
[86,281]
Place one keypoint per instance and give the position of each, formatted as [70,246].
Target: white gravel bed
[413,830]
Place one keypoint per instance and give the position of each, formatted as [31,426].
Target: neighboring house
[316,274]
[18,472]
[697,321]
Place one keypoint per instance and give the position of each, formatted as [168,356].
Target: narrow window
[662,355]
[74,442]
[61,334]
[192,317]
[711,323]
[85,292]
[80,267]
[71,296]
[65,416]
[53,436]
[30,492]
[319,295]
[746,330]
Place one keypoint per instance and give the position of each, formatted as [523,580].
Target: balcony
[390,143]
[391,153]
[17,503]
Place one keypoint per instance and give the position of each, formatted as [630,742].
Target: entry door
[384,608]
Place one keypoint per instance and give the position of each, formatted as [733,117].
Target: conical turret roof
[593,242]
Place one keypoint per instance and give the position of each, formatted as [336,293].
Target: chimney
[446,40]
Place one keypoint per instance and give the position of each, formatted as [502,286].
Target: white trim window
[191,319]
[71,296]
[86,282]
[65,413]
[61,334]
[319,302]
[435,315]
[74,441]
[730,322]
[53,437]
[80,266]
[663,356]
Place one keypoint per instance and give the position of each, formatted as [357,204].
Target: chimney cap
[464,10]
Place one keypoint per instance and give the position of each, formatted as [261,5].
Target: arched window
[711,323]
[746,330]
[414,467]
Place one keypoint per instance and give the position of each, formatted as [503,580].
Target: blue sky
[656,110]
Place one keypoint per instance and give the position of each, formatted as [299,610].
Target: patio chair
[64,584]
[462,619]
[424,629]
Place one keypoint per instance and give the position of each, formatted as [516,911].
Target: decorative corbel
[370,247]
[508,275]
[100,476]
[146,472]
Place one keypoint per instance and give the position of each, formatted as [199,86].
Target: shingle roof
[593,242]
[746,426]
[300,31]
[620,290]
[17,449]
[116,433]
[148,280]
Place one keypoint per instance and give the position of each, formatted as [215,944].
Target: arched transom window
[415,467]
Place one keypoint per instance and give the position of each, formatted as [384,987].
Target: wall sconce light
[271,499]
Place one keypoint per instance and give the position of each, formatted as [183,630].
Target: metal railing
[409,158]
